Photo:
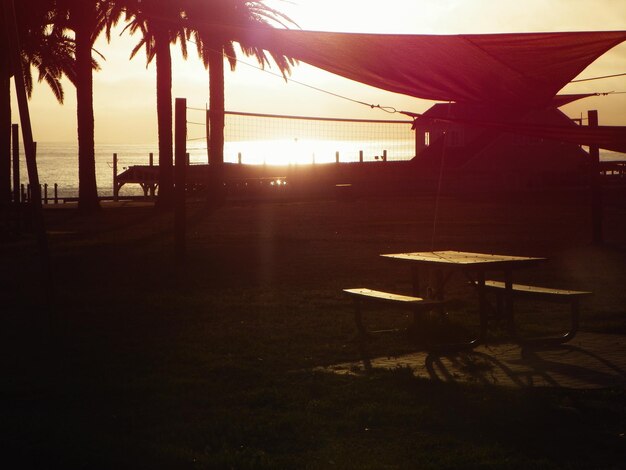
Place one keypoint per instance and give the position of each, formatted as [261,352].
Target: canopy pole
[180,168]
[596,188]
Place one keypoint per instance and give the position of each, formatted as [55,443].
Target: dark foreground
[138,362]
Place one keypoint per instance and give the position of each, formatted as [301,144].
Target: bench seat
[377,295]
[543,293]
[360,294]
[534,291]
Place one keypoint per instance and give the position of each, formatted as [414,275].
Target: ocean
[58,162]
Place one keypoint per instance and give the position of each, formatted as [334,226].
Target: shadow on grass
[238,416]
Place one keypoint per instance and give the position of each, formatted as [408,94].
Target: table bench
[361,294]
[543,293]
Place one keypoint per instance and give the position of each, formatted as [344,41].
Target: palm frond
[55,85]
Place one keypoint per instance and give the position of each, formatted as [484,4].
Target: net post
[15,137]
[180,168]
[115,185]
[596,187]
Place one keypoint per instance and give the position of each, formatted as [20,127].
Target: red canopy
[520,70]
[526,69]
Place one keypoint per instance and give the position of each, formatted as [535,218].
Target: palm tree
[214,45]
[47,49]
[161,24]
[87,20]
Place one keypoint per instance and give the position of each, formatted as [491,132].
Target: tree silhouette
[87,20]
[160,23]
[48,50]
[214,44]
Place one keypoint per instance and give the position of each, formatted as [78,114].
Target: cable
[598,78]
[387,109]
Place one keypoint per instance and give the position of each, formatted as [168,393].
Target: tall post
[115,187]
[360,156]
[384,155]
[5,141]
[596,187]
[180,168]
[151,159]
[208,135]
[336,157]
[420,138]
[10,24]
[15,131]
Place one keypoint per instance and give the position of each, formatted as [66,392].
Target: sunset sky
[125,97]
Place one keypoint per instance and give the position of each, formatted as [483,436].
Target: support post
[384,155]
[5,142]
[180,151]
[360,156]
[45,193]
[208,135]
[596,187]
[239,158]
[336,157]
[420,139]
[56,193]
[115,186]
[152,187]
[15,131]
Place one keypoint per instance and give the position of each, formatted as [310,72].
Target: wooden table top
[462,259]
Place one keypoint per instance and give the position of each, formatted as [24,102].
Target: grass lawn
[139,362]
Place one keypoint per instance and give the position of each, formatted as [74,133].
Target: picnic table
[440,266]
[474,266]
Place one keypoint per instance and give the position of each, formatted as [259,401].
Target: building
[448,137]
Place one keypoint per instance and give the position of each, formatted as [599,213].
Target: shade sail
[525,69]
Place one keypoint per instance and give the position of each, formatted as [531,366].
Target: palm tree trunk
[216,127]
[5,139]
[164,118]
[87,188]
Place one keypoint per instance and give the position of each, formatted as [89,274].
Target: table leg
[508,302]
[482,304]
[415,279]
[418,314]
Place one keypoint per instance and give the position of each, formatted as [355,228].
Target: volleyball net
[255,138]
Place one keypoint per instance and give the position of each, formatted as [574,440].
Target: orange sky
[125,97]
